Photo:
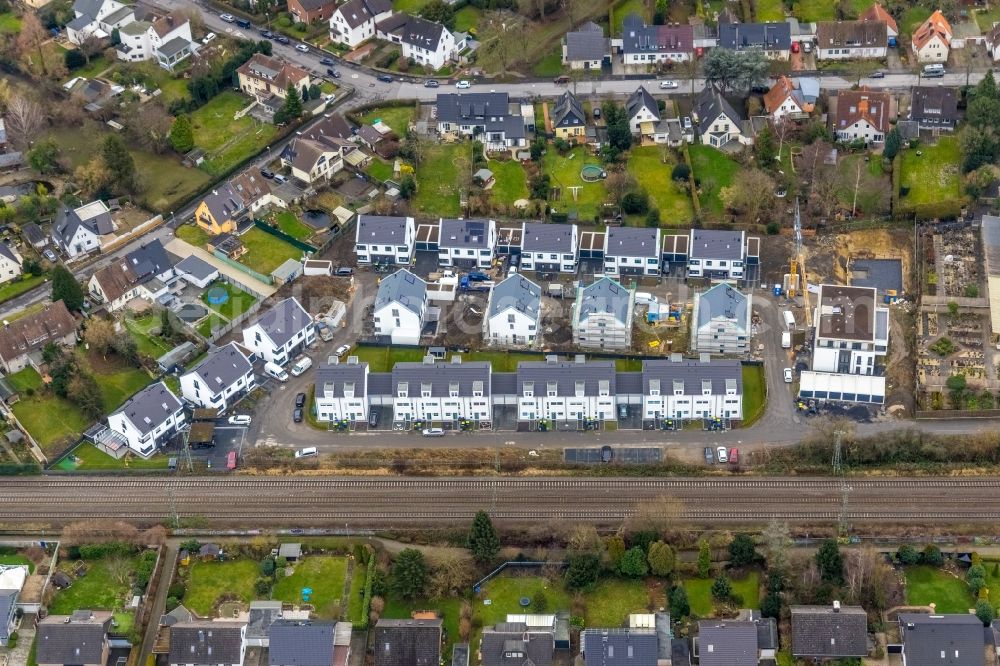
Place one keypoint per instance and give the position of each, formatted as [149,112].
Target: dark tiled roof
[540,237]
[472,233]
[297,643]
[716,244]
[339,375]
[587,43]
[619,647]
[822,631]
[440,376]
[222,367]
[565,375]
[568,112]
[75,639]
[35,330]
[851,34]
[382,229]
[935,103]
[407,642]
[516,292]
[728,643]
[402,287]
[942,640]
[413,30]
[511,644]
[284,321]
[632,242]
[692,374]
[637,37]
[710,104]
[641,99]
[150,407]
[767,36]
[205,642]
[604,295]
[356,12]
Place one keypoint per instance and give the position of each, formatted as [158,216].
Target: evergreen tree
[830,562]
[182,134]
[409,574]
[483,539]
[742,550]
[907,554]
[166,325]
[679,605]
[722,589]
[661,558]
[704,559]
[932,555]
[765,148]
[616,550]
[65,288]
[583,570]
[985,612]
[633,563]
[119,163]
[893,142]
[293,103]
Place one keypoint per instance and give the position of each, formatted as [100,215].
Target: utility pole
[845,489]
[838,464]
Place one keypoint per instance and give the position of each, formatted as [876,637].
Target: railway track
[359,501]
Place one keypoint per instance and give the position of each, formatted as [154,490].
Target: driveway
[184,249]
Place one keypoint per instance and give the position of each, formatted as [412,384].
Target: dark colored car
[243,23]
[266,34]
[373,418]
[297,415]
[878,74]
[606,454]
[345,271]
[709,455]
[431,83]
[384,78]
[300,400]
[332,72]
[326,62]
[281,39]
[267,173]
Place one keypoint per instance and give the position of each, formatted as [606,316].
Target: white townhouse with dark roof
[632,251]
[385,239]
[643,112]
[586,47]
[79,230]
[439,391]
[400,307]
[687,389]
[643,44]
[10,263]
[149,418]
[513,312]
[721,321]
[602,315]
[717,254]
[354,21]
[550,247]
[467,243]
[281,333]
[566,390]
[342,390]
[220,380]
[852,330]
[97,18]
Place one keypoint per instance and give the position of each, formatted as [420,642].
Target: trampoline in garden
[217,296]
[592,173]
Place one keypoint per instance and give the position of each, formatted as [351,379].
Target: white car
[209,37]
[463,84]
[433,432]
[239,419]
[788,375]
[721,454]
[228,18]
[302,47]
[342,349]
[668,85]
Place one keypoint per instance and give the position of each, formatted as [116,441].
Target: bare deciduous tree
[502,42]
[90,46]
[24,119]
[30,39]
[750,195]
[776,542]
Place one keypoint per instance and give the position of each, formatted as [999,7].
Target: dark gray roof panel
[511,644]
[632,242]
[150,407]
[440,376]
[222,367]
[767,36]
[472,234]
[382,229]
[407,643]
[822,631]
[540,237]
[942,640]
[728,643]
[80,640]
[587,43]
[402,287]
[716,244]
[284,321]
[692,373]
[298,643]
[516,292]
[619,647]
[565,374]
[605,295]
[205,642]
[340,374]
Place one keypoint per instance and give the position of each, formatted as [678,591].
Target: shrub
[773,228]
[681,171]
[262,586]
[635,203]
[932,555]
[177,590]
[907,554]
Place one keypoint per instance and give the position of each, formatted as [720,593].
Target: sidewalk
[184,249]
[170,549]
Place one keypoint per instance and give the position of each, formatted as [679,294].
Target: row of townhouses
[556,389]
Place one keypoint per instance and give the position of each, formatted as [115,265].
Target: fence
[278,233]
[958,414]
[266,279]
[233,323]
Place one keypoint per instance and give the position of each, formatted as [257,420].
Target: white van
[935,71]
[789,319]
[786,339]
[301,366]
[274,370]
[644,298]
[307,452]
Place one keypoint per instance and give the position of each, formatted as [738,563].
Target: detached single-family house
[860,115]
[27,336]
[342,391]
[735,642]
[311,161]
[602,315]
[632,251]
[486,116]
[354,21]
[400,307]
[311,11]
[643,44]
[78,231]
[829,632]
[384,239]
[10,263]
[223,377]
[854,40]
[281,333]
[166,39]
[934,108]
[149,419]
[515,644]
[254,190]
[467,243]
[513,312]
[80,639]
[791,98]
[619,647]
[643,113]
[207,643]
[586,47]
[773,39]
[955,640]
[265,78]
[221,210]
[931,42]
[568,119]
[141,274]
[407,642]
[852,330]
[438,391]
[720,322]
[877,13]
[717,254]
[195,270]
[97,18]
[428,43]
[550,247]
[718,121]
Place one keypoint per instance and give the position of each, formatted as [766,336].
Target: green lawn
[449,609]
[92,69]
[355,603]
[409,6]
[17,287]
[396,117]
[626,7]
[926,585]
[505,592]
[228,142]
[172,87]
[239,301]
[933,176]
[511,183]
[699,592]
[10,22]
[142,330]
[266,252]
[814,10]
[565,173]
[325,576]
[89,458]
[193,234]
[550,64]
[291,225]
[208,581]
[467,17]
[754,394]
[873,187]
[51,420]
[769,10]
[911,20]
[14,558]
[381,359]
[101,588]
[25,379]
[117,380]
[439,178]
[379,169]
[612,599]
[713,171]
[987,17]
[652,174]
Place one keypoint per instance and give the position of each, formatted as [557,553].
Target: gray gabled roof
[224,203]
[341,374]
[440,376]
[595,375]
[472,233]
[174,46]
[825,631]
[206,642]
[301,643]
[716,244]
[150,407]
[641,99]
[407,642]
[382,229]
[934,103]
[942,640]
[587,43]
[196,267]
[149,260]
[491,110]
[8,253]
[568,112]
[767,36]
[619,647]
[540,237]
[89,8]
[69,220]
[402,287]
[356,12]
[632,242]
[604,295]
[413,30]
[511,644]
[692,374]
[722,301]
[222,367]
[516,292]
[710,104]
[8,599]
[284,321]
[637,37]
[262,614]
[728,643]
[75,639]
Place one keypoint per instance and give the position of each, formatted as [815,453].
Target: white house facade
[400,308]
[550,247]
[281,333]
[382,239]
[631,251]
[342,391]
[513,312]
[602,315]
[467,243]
[436,391]
[10,263]
[354,21]
[566,390]
[679,389]
[149,419]
[717,254]
[220,380]
[852,330]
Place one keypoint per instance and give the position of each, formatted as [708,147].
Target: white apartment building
[631,251]
[342,391]
[513,312]
[717,254]
[150,418]
[685,389]
[852,330]
[400,307]
[384,239]
[566,390]
[720,323]
[439,391]
[467,243]
[553,248]
[281,333]
[354,21]
[602,315]
[220,380]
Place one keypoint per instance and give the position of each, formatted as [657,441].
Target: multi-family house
[773,39]
[80,639]
[953,639]
[717,254]
[222,378]
[878,13]
[354,21]
[685,389]
[931,42]
[141,274]
[569,122]
[586,47]
[442,391]
[720,323]
[487,116]
[400,307]
[718,121]
[98,19]
[266,78]
[78,231]
[148,419]
[854,40]
[829,632]
[342,391]
[382,239]
[255,191]
[166,39]
[467,243]
[791,98]
[632,251]
[311,11]
[407,642]
[550,247]
[643,44]
[221,210]
[207,643]
[852,330]
[642,111]
[10,263]
[561,390]
[22,340]
[934,108]
[427,43]
[861,115]
[513,312]
[281,333]
[602,315]
[618,647]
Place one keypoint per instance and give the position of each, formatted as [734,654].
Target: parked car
[597,113]
[788,375]
[687,122]
[50,255]
[239,419]
[267,173]
[342,349]
[432,83]
[384,78]
[332,72]
[722,454]
[266,34]
[606,454]
[243,23]
[208,38]
[307,452]
[281,39]
[300,400]
[324,332]
[373,418]
[561,80]
[228,18]
[432,432]
[326,62]
[345,271]
[668,85]
[302,47]
[297,415]
[734,456]
[709,456]
[878,74]
[795,47]
[278,178]
[463,85]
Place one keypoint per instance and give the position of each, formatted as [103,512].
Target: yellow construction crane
[793,275]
